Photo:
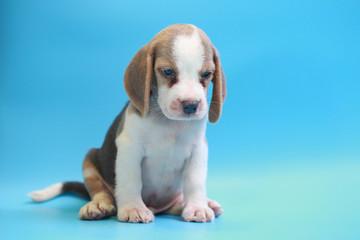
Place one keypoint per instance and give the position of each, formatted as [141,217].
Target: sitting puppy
[154,157]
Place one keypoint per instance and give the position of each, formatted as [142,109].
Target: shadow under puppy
[154,157]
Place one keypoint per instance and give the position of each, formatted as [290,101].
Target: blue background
[284,158]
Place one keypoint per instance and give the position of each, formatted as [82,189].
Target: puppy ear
[138,77]
[219,90]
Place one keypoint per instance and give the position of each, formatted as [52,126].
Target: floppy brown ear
[137,79]
[219,90]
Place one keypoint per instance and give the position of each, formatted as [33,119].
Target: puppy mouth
[181,116]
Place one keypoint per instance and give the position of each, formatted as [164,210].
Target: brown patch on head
[139,75]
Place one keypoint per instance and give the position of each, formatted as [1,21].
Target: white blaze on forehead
[189,55]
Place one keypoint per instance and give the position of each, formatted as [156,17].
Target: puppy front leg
[130,205]
[196,207]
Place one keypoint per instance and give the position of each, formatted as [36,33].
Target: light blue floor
[300,201]
[284,159]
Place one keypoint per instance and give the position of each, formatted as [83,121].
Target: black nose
[190,107]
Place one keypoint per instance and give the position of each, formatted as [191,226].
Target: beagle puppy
[154,157]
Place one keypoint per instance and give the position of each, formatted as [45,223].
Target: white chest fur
[161,150]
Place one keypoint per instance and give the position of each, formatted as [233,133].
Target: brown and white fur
[154,157]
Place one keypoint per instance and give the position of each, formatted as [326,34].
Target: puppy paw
[135,214]
[95,210]
[198,214]
[216,207]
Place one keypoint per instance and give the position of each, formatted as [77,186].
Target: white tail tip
[47,193]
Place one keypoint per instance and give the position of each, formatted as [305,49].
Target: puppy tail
[58,189]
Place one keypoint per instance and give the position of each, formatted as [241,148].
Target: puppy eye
[205,75]
[168,72]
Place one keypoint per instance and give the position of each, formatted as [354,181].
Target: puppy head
[181,62]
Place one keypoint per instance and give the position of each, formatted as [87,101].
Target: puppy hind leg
[102,202]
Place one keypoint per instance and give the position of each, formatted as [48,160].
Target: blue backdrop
[284,158]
